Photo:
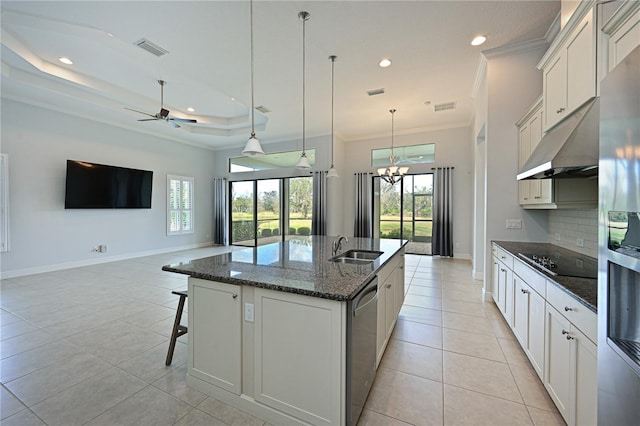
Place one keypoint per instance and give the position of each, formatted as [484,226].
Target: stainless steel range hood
[570,149]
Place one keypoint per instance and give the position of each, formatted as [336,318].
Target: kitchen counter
[300,265]
[585,290]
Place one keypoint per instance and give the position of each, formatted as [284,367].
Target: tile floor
[87,346]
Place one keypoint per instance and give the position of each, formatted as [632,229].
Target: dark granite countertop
[585,290]
[300,265]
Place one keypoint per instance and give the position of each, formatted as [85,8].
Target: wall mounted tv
[98,186]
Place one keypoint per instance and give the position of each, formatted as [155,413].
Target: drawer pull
[388,285]
[567,309]
[560,110]
[503,270]
[537,198]
[503,257]
[524,291]
[235,296]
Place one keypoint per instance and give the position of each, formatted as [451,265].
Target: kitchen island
[268,325]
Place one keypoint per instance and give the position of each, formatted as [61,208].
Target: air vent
[263,109]
[150,47]
[375,92]
[445,106]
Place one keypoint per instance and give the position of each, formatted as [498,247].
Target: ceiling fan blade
[148,119]
[173,124]
[140,112]
[183,120]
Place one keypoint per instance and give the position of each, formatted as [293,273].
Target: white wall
[45,236]
[453,148]
[513,84]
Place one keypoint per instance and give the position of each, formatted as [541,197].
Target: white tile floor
[87,346]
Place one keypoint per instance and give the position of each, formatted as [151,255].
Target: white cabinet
[569,68]
[214,333]
[300,356]
[623,32]
[570,370]
[503,284]
[528,323]
[571,331]
[390,300]
[536,191]
[556,332]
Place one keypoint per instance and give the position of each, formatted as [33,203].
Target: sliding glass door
[404,210]
[270,210]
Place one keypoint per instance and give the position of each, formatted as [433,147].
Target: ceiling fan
[164,113]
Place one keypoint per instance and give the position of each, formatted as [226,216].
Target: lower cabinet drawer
[531,277]
[581,316]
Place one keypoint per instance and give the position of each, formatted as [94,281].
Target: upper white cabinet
[569,67]
[530,130]
[623,32]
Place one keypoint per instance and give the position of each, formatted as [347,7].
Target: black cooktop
[566,266]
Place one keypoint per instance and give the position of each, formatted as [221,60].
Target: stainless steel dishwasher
[362,316]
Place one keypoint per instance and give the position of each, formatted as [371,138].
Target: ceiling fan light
[403,170]
[253,147]
[303,162]
[332,173]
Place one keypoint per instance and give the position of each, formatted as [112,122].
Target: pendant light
[393,173]
[332,171]
[303,162]
[252,148]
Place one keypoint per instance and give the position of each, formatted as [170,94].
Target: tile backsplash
[570,225]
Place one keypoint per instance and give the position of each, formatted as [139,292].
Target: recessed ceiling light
[191,109]
[385,62]
[478,40]
[65,60]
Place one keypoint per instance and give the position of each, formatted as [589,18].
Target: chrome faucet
[336,245]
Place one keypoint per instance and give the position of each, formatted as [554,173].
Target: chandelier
[392,174]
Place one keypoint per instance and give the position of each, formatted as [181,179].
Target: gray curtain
[319,210]
[219,211]
[363,225]
[442,241]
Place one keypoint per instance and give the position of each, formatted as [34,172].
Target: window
[413,154]
[179,205]
[277,160]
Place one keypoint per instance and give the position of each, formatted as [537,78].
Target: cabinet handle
[560,110]
[503,257]
[235,296]
[537,198]
[503,270]
[524,291]
[526,198]
[567,309]
[388,286]
[569,336]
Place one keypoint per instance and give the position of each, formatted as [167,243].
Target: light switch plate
[514,223]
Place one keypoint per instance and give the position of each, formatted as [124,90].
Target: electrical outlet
[557,236]
[580,242]
[248,312]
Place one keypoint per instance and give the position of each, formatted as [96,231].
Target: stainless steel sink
[357,256]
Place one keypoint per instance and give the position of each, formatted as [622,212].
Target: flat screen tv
[98,186]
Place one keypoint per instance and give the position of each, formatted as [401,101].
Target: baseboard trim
[88,262]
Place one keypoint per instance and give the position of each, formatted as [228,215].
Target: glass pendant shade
[303,162]
[332,173]
[253,147]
